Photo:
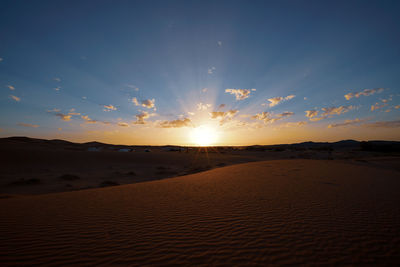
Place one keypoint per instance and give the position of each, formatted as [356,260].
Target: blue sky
[75,57]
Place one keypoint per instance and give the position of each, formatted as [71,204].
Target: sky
[171,72]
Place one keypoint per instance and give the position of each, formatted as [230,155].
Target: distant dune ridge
[270,212]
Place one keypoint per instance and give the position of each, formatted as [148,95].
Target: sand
[271,212]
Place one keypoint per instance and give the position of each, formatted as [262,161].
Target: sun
[204,135]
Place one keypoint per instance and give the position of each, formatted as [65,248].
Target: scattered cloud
[57,79]
[240,94]
[384,124]
[147,103]
[276,100]
[378,106]
[223,115]
[186,122]
[134,87]
[311,113]
[12,88]
[123,124]
[1,59]
[84,97]
[305,98]
[63,117]
[190,113]
[346,123]
[211,70]
[16,98]
[201,106]
[219,43]
[57,88]
[88,120]
[204,90]
[365,92]
[109,108]
[336,110]
[141,117]
[221,106]
[54,110]
[28,125]
[268,117]
[397,107]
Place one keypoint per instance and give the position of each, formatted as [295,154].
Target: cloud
[311,113]
[12,88]
[28,125]
[57,79]
[186,122]
[276,100]
[1,59]
[346,123]
[365,92]
[221,106]
[190,113]
[134,87]
[211,70]
[204,90]
[383,124]
[336,110]
[84,97]
[141,117]
[109,108]
[201,106]
[378,106]
[16,98]
[57,88]
[147,103]
[219,43]
[397,107]
[240,94]
[261,116]
[223,115]
[123,124]
[294,124]
[64,117]
[88,120]
[54,110]
[267,117]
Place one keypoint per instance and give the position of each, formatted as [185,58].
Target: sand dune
[271,212]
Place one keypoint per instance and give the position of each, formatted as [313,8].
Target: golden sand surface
[271,212]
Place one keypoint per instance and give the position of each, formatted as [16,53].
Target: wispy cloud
[28,125]
[63,117]
[123,124]
[12,88]
[346,123]
[88,120]
[384,124]
[211,70]
[186,122]
[336,110]
[109,108]
[240,94]
[58,88]
[16,98]
[365,92]
[134,87]
[219,43]
[1,59]
[276,100]
[397,107]
[384,104]
[57,79]
[201,106]
[268,117]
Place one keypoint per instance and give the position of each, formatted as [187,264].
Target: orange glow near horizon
[204,135]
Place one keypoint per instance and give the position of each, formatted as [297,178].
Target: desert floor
[294,211]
